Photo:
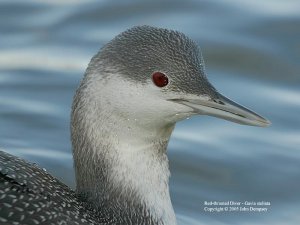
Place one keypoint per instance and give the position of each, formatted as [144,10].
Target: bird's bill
[225,108]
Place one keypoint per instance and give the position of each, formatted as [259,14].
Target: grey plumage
[120,126]
[155,49]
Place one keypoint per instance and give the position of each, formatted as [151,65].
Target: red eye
[160,79]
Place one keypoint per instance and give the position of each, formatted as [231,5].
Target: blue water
[252,53]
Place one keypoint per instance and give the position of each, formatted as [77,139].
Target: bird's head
[157,77]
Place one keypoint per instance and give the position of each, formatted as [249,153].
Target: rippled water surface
[252,53]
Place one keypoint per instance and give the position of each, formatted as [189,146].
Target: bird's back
[29,195]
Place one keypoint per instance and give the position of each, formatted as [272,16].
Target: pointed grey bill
[224,108]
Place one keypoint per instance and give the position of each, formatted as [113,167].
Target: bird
[132,94]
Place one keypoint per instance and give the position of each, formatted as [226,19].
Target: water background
[252,53]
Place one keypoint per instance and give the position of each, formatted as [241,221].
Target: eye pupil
[160,79]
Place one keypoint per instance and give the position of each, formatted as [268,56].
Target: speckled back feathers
[29,195]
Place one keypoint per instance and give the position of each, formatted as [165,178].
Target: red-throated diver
[133,92]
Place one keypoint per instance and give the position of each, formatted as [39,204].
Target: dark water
[252,52]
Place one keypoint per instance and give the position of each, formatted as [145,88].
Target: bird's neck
[122,169]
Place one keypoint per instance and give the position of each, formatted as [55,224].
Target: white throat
[141,166]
